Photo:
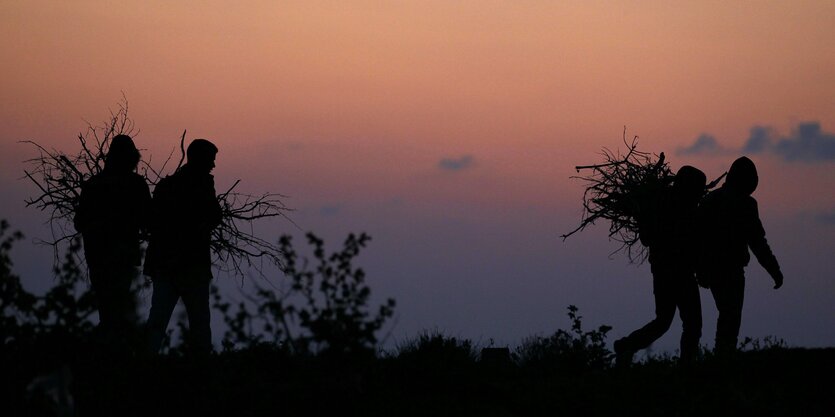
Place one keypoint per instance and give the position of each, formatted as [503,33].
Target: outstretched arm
[759,245]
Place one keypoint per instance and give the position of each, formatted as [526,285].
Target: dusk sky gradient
[448,131]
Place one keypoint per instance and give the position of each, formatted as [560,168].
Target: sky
[448,131]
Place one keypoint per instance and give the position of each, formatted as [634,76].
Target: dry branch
[617,189]
[58,178]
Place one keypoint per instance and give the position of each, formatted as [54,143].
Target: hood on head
[122,154]
[742,177]
[690,182]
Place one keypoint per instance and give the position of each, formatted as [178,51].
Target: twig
[616,190]
[58,178]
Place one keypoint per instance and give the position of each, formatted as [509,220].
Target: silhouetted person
[112,212]
[185,211]
[730,224]
[667,227]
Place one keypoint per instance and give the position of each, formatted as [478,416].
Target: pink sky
[349,108]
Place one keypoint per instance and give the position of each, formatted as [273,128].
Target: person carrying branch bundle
[667,227]
[185,210]
[730,224]
[111,214]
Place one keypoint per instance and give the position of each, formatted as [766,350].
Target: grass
[430,375]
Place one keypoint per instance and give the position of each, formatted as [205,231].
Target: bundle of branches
[234,243]
[59,176]
[617,190]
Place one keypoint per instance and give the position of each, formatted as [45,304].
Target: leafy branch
[325,310]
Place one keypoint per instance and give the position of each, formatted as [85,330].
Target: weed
[433,348]
[572,351]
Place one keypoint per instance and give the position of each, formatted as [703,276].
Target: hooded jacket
[730,224]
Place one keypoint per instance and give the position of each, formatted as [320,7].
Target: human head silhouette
[690,182]
[201,155]
[122,156]
[742,177]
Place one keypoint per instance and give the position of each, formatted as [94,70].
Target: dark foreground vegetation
[317,354]
[436,378]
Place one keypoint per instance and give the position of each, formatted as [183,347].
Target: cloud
[760,140]
[456,164]
[705,145]
[330,210]
[807,143]
[826,217]
[295,146]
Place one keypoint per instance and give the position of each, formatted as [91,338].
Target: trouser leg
[163,301]
[196,300]
[112,291]
[116,304]
[728,293]
[690,311]
[665,308]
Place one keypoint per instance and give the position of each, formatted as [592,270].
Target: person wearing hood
[667,227]
[730,225]
[111,215]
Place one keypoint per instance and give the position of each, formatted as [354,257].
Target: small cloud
[330,210]
[705,145]
[826,217]
[456,164]
[295,146]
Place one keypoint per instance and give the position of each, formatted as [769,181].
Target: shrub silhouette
[16,305]
[568,351]
[61,317]
[325,311]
